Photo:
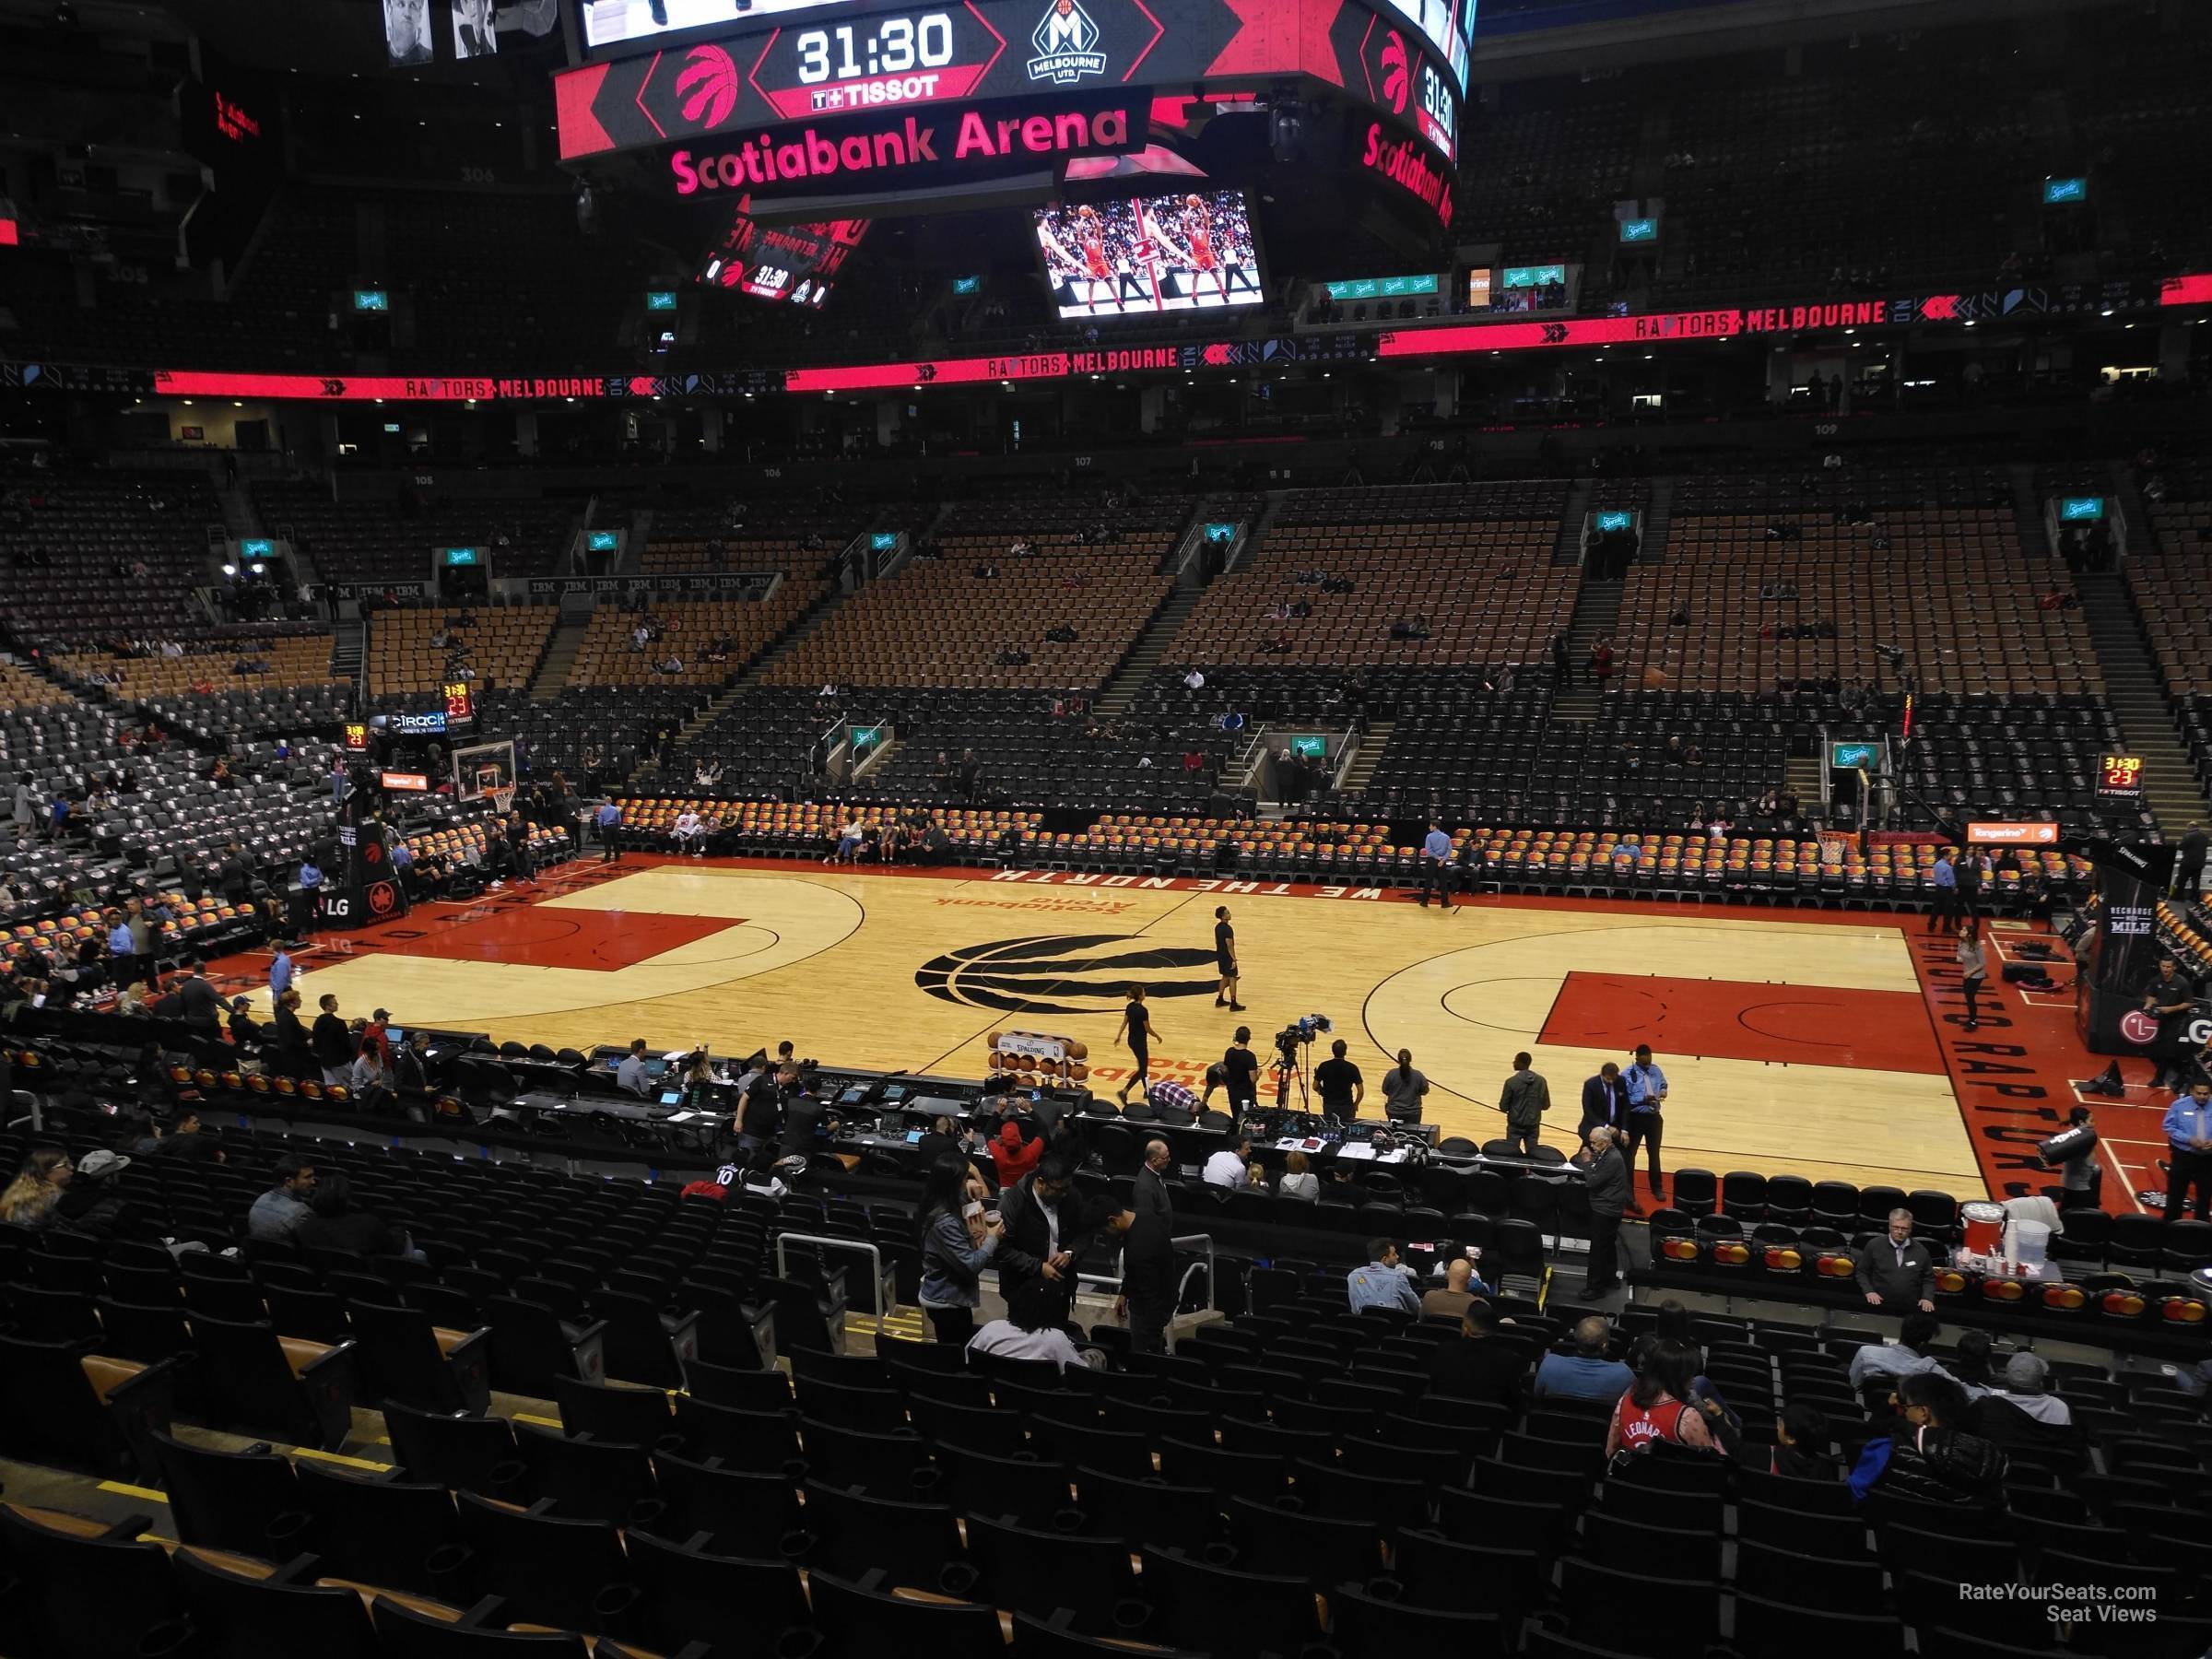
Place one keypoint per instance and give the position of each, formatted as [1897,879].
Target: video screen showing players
[613,22]
[1135,256]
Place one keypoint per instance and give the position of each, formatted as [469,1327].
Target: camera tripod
[1290,1066]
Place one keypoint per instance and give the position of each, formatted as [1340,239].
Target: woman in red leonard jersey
[1656,1408]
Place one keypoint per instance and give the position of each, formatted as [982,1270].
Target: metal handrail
[883,1303]
[1213,1282]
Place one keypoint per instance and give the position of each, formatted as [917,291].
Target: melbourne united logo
[1065,973]
[1066,42]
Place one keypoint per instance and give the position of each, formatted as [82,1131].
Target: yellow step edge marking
[127,1490]
[547,1422]
[336,1457]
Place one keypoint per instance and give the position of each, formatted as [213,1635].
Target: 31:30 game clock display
[908,57]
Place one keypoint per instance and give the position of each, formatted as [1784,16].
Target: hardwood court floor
[1792,1042]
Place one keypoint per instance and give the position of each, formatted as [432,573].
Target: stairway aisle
[808,622]
[1365,759]
[348,651]
[2136,691]
[1145,656]
[1596,612]
[1567,545]
[560,655]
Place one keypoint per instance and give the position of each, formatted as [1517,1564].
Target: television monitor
[615,22]
[1126,256]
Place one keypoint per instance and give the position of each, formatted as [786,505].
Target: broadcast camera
[1288,1064]
[1300,1033]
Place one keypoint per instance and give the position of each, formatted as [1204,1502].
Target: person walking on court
[1973,970]
[610,832]
[1138,1031]
[1225,958]
[1524,1099]
[1647,1094]
[1943,910]
[1436,865]
[1611,1186]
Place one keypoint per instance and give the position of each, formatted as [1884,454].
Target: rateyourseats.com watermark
[2076,1604]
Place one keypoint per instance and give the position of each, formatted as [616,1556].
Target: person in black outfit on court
[2171,996]
[1224,959]
[1340,1083]
[1137,1028]
[1241,1072]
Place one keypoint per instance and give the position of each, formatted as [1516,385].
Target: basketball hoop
[501,799]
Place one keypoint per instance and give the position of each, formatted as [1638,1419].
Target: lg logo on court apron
[1066,973]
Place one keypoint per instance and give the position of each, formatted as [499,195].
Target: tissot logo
[1070,973]
[1066,42]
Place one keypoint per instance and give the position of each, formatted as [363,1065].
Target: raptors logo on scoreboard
[1066,42]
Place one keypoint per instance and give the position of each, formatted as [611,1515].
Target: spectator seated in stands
[335,1223]
[1031,1328]
[1381,1283]
[1298,1180]
[31,1197]
[1929,1457]
[1416,628]
[1012,1155]
[850,840]
[1230,1168]
[1801,1437]
[1013,656]
[2026,1391]
[1459,1292]
[690,835]
[1061,635]
[1584,1373]
[277,1214]
[1658,1408]
[1905,1357]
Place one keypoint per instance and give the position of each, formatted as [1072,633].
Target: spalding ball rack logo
[1066,42]
[1063,974]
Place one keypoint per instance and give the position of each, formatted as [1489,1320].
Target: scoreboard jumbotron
[825,96]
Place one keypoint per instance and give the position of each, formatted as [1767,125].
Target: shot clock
[2120,780]
[460,704]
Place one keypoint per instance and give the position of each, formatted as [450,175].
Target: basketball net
[501,799]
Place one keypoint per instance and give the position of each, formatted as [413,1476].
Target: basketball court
[1828,1044]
